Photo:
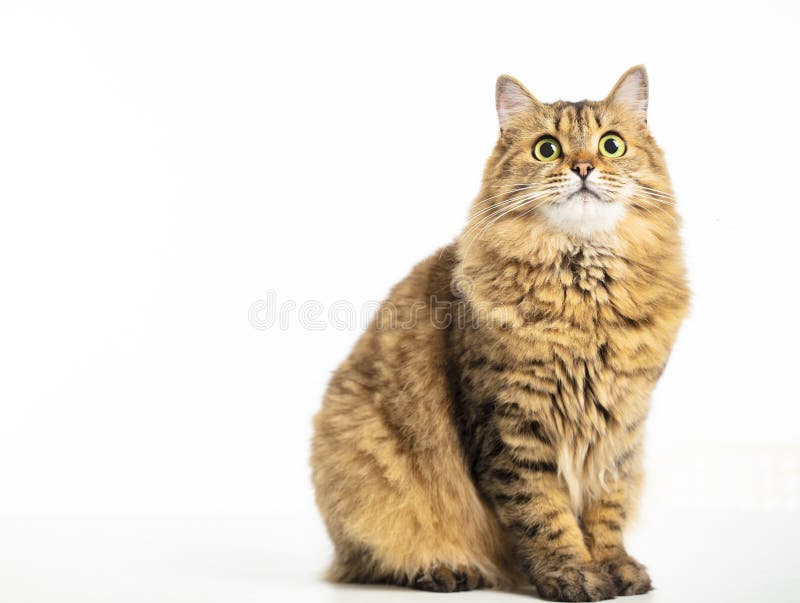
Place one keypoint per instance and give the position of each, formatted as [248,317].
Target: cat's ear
[631,92]
[512,98]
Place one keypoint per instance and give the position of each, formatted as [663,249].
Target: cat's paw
[444,579]
[630,577]
[585,582]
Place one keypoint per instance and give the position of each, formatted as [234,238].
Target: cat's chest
[559,340]
[576,294]
[585,296]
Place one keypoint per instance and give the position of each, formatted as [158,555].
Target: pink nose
[582,168]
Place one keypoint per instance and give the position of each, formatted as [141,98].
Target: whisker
[499,203]
[511,188]
[495,218]
[524,194]
[654,199]
[654,192]
[510,205]
[635,183]
[637,190]
[649,207]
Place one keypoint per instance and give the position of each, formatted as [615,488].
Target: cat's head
[577,169]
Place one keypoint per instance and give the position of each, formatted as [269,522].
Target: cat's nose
[582,168]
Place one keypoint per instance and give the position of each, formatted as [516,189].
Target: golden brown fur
[487,428]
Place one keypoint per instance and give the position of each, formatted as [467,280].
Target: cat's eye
[612,145]
[547,148]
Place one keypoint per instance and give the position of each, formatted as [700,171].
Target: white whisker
[510,204]
[493,219]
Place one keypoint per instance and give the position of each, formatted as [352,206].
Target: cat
[490,433]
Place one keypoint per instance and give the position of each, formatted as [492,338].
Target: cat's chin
[583,214]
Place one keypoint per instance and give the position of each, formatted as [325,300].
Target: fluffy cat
[486,431]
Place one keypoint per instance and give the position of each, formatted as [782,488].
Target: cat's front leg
[603,521]
[547,540]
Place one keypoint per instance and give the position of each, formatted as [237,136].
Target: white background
[166,165]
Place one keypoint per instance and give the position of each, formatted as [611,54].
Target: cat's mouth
[584,193]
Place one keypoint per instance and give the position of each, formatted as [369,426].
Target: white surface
[166,166]
[732,557]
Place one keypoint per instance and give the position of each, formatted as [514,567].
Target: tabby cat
[486,431]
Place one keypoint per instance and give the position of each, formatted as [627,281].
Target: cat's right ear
[512,98]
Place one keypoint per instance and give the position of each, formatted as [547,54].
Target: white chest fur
[583,214]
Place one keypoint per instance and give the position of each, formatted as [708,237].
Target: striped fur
[491,435]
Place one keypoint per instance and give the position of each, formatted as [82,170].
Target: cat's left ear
[512,98]
[631,92]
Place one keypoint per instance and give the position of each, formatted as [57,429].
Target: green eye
[547,149]
[611,145]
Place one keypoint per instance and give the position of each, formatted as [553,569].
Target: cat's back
[393,389]
[408,326]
